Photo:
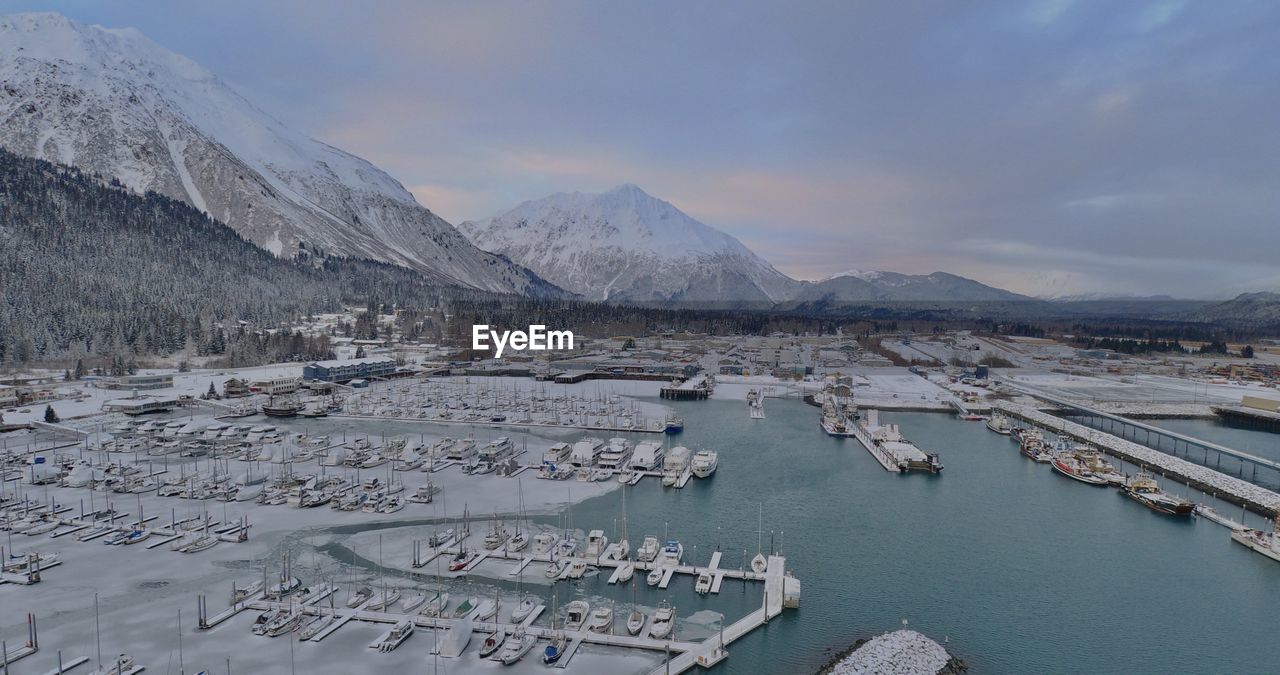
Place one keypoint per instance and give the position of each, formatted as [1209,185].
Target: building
[139,382]
[276,385]
[141,405]
[8,396]
[345,370]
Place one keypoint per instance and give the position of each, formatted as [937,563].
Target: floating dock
[888,446]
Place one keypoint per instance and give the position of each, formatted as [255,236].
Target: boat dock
[696,388]
[780,590]
[1227,488]
[525,559]
[888,446]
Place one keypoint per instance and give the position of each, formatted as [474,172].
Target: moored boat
[1144,489]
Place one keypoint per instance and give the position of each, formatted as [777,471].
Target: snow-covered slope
[878,287]
[113,102]
[627,246]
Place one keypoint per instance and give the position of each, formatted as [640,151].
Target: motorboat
[648,550]
[703,584]
[395,637]
[672,552]
[576,614]
[542,543]
[704,463]
[601,620]
[663,619]
[597,542]
[517,647]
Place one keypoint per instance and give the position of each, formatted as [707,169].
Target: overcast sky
[1049,147]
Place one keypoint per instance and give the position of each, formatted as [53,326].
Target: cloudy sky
[1050,147]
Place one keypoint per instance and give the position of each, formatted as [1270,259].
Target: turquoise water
[1255,441]
[1021,569]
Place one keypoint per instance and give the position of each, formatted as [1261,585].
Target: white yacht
[647,456]
[648,550]
[616,454]
[586,452]
[557,453]
[597,542]
[704,463]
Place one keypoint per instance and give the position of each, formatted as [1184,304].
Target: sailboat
[759,563]
[635,620]
[493,642]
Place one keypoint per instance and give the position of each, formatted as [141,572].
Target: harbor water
[1020,569]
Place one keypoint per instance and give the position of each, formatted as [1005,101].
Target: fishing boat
[674,424]
[395,637]
[1067,465]
[468,605]
[663,618]
[575,614]
[1144,489]
[517,647]
[704,463]
[493,642]
[703,584]
[1266,543]
[601,620]
[999,424]
[455,639]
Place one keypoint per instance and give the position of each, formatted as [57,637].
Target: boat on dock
[395,637]
[1068,465]
[1266,543]
[663,619]
[576,614]
[516,647]
[455,639]
[704,463]
[702,585]
[601,620]
[492,642]
[1144,489]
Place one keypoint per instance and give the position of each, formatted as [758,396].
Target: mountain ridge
[112,102]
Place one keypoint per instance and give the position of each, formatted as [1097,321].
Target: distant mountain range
[112,102]
[625,245]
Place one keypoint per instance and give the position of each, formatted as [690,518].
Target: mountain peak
[113,102]
[627,244]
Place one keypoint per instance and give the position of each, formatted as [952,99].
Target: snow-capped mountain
[627,246]
[874,287]
[115,103]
